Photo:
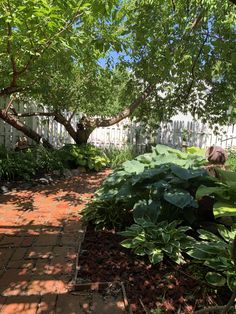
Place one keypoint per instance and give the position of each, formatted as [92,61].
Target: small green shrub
[158,240]
[87,156]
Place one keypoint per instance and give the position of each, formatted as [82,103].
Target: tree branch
[10,90]
[69,128]
[72,115]
[41,50]
[17,72]
[33,114]
[11,56]
[186,96]
[126,112]
[17,124]
[9,104]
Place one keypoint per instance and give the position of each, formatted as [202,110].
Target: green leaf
[186,174]
[207,235]
[215,279]
[227,234]
[233,58]
[207,191]
[231,281]
[200,253]
[180,198]
[133,166]
[222,209]
[128,244]
[147,210]
[226,175]
[156,256]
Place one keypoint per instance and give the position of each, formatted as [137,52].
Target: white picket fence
[45,126]
[195,133]
[180,129]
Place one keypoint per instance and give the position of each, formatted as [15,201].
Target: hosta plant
[158,240]
[215,252]
[160,185]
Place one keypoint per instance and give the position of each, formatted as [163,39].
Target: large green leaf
[165,150]
[180,198]
[222,209]
[187,174]
[201,253]
[226,175]
[220,191]
[148,174]
[147,210]
[133,166]
[231,280]
[128,244]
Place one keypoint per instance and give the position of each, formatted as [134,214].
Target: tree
[36,37]
[173,56]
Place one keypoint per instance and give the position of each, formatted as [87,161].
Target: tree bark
[81,134]
[17,124]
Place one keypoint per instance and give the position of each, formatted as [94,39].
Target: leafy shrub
[153,185]
[87,156]
[158,240]
[119,155]
[27,163]
[215,252]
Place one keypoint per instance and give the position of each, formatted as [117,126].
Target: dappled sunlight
[40,232]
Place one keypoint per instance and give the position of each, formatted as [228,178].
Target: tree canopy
[116,58]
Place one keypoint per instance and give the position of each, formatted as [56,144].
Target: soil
[166,287]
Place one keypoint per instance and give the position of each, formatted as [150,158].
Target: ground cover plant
[169,208]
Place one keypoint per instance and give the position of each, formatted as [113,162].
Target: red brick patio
[40,230]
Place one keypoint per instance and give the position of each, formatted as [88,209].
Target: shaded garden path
[40,231]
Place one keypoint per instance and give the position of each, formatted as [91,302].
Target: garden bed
[168,287]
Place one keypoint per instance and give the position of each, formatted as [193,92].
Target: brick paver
[40,230]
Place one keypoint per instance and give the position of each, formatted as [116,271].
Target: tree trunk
[17,124]
[81,134]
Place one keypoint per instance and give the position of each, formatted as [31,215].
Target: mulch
[168,287]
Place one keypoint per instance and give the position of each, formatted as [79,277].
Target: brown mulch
[166,286]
